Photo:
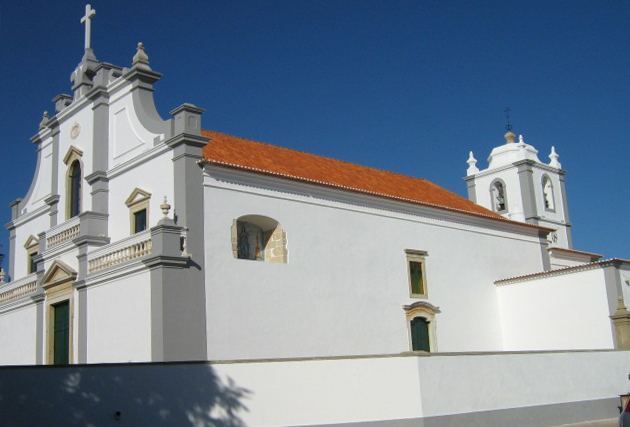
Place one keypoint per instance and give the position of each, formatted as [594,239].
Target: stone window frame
[276,249]
[545,178]
[417,256]
[505,197]
[73,154]
[137,201]
[32,249]
[429,312]
[58,285]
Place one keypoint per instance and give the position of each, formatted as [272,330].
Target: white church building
[150,239]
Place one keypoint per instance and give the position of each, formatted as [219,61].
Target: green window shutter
[140,221]
[61,333]
[420,334]
[415,275]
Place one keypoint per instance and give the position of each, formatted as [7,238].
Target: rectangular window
[32,265]
[415,275]
[61,333]
[140,221]
[416,272]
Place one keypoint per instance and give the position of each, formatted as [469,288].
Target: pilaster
[183,330]
[565,208]
[53,202]
[54,182]
[39,329]
[100,191]
[472,191]
[173,328]
[528,197]
[11,262]
[621,324]
[100,145]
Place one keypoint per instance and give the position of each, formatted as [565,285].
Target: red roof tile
[240,153]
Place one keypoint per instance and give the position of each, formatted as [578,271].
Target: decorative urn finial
[472,164]
[141,59]
[553,156]
[165,207]
[44,121]
[521,141]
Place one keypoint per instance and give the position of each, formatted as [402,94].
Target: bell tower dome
[517,185]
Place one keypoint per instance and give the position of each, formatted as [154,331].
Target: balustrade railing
[62,233]
[123,251]
[18,288]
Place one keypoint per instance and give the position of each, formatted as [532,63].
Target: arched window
[259,238]
[497,193]
[547,188]
[422,330]
[74,185]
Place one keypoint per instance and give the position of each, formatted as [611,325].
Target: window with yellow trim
[416,271]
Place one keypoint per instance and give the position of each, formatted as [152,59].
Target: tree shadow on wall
[187,394]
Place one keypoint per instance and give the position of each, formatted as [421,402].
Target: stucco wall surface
[343,289]
[17,336]
[306,392]
[119,320]
[565,311]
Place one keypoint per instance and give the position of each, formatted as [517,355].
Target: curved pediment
[58,273]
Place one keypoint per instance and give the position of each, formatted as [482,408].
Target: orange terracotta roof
[240,153]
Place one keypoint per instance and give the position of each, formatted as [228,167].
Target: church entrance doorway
[61,332]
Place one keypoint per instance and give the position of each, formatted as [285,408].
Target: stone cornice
[188,139]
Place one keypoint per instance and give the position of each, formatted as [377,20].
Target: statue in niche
[250,241]
[548,194]
[498,195]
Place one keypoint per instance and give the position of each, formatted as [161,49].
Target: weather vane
[508,123]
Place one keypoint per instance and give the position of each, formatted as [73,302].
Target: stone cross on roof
[87,19]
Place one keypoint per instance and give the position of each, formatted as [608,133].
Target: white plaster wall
[557,263]
[128,136]
[471,383]
[119,320]
[346,281]
[327,391]
[41,182]
[309,392]
[33,226]
[567,311]
[154,176]
[512,191]
[17,335]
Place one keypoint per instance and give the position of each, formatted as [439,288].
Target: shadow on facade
[187,394]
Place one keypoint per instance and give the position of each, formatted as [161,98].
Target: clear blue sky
[409,86]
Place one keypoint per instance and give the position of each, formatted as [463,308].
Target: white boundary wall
[378,389]
[567,311]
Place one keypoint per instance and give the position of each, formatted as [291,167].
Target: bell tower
[517,185]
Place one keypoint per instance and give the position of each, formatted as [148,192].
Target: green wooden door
[61,333]
[420,334]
